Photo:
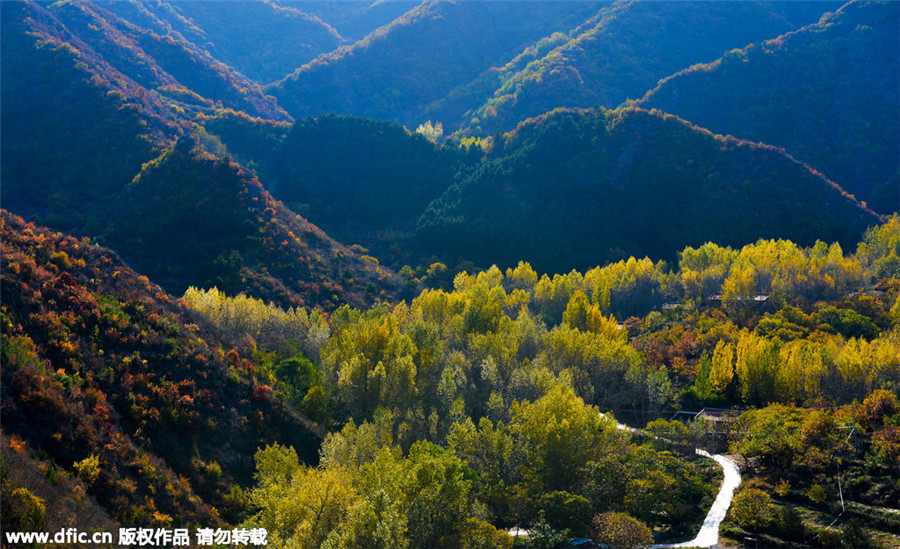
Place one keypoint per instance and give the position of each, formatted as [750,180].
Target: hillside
[116,383]
[398,69]
[623,51]
[261,39]
[353,19]
[363,181]
[832,81]
[75,130]
[216,225]
[576,188]
[97,174]
[166,64]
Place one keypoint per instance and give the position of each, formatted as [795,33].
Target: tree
[299,506]
[854,535]
[23,511]
[298,374]
[665,433]
[613,529]
[771,434]
[437,492]
[756,363]
[738,292]
[721,370]
[543,536]
[750,509]
[559,434]
[563,510]
[376,523]
[577,311]
[478,534]
[431,132]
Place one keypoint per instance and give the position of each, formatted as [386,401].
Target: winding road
[709,531]
[708,535]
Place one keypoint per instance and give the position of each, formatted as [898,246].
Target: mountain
[168,64]
[353,19]
[397,70]
[216,225]
[827,93]
[125,392]
[263,40]
[576,188]
[363,181]
[125,168]
[75,129]
[624,50]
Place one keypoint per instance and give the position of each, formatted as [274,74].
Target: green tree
[771,434]
[563,510]
[750,509]
[478,534]
[376,523]
[299,506]
[298,374]
[558,435]
[542,535]
[614,529]
[438,494]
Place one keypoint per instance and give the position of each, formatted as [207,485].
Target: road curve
[709,531]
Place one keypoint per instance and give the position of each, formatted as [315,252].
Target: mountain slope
[101,365]
[363,181]
[353,19]
[112,171]
[216,225]
[827,93]
[572,189]
[398,69]
[624,50]
[166,64]
[75,130]
[259,38]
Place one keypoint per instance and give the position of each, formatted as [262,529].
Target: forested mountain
[396,71]
[168,65]
[217,225]
[353,20]
[131,399]
[363,181]
[827,93]
[263,40]
[624,50]
[576,188]
[49,77]
[565,190]
[98,179]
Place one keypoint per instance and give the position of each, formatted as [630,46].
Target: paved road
[709,531]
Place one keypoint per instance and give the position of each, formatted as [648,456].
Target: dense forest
[451,274]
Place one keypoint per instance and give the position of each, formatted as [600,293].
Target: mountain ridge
[832,78]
